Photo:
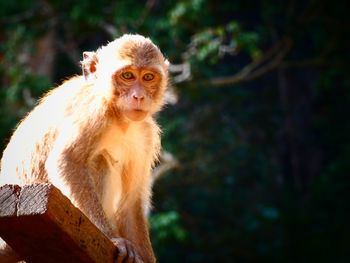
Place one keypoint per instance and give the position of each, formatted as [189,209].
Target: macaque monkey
[94,138]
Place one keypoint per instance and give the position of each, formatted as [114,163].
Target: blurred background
[256,144]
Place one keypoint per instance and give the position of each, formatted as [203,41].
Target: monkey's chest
[120,148]
[124,158]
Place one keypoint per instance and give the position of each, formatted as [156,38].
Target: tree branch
[271,60]
[167,163]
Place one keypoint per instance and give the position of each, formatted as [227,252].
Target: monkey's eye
[148,76]
[127,75]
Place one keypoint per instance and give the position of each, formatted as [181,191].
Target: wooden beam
[42,225]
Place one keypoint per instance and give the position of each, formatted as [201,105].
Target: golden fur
[80,139]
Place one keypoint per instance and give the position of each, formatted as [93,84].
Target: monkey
[96,139]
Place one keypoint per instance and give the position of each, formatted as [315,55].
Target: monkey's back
[24,158]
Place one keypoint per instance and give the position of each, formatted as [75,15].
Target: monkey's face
[132,74]
[137,91]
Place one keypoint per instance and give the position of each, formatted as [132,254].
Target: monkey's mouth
[136,114]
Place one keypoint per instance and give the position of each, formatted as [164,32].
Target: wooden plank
[8,200]
[42,225]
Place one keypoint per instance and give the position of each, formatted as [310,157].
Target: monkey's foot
[126,251]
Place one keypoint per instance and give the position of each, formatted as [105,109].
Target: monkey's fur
[94,137]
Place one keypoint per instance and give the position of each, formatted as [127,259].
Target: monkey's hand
[127,252]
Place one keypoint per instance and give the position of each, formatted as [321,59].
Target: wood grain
[42,225]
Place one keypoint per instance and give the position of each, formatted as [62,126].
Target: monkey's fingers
[122,250]
[133,255]
[126,251]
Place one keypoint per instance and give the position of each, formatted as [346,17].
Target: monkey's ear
[89,64]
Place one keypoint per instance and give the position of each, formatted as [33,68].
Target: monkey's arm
[68,171]
[139,232]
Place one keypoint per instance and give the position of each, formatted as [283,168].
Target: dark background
[259,125]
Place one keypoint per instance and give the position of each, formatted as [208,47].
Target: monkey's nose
[138,97]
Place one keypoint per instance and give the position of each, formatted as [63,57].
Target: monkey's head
[131,72]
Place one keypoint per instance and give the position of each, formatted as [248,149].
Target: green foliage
[185,10]
[212,43]
[167,226]
[15,71]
